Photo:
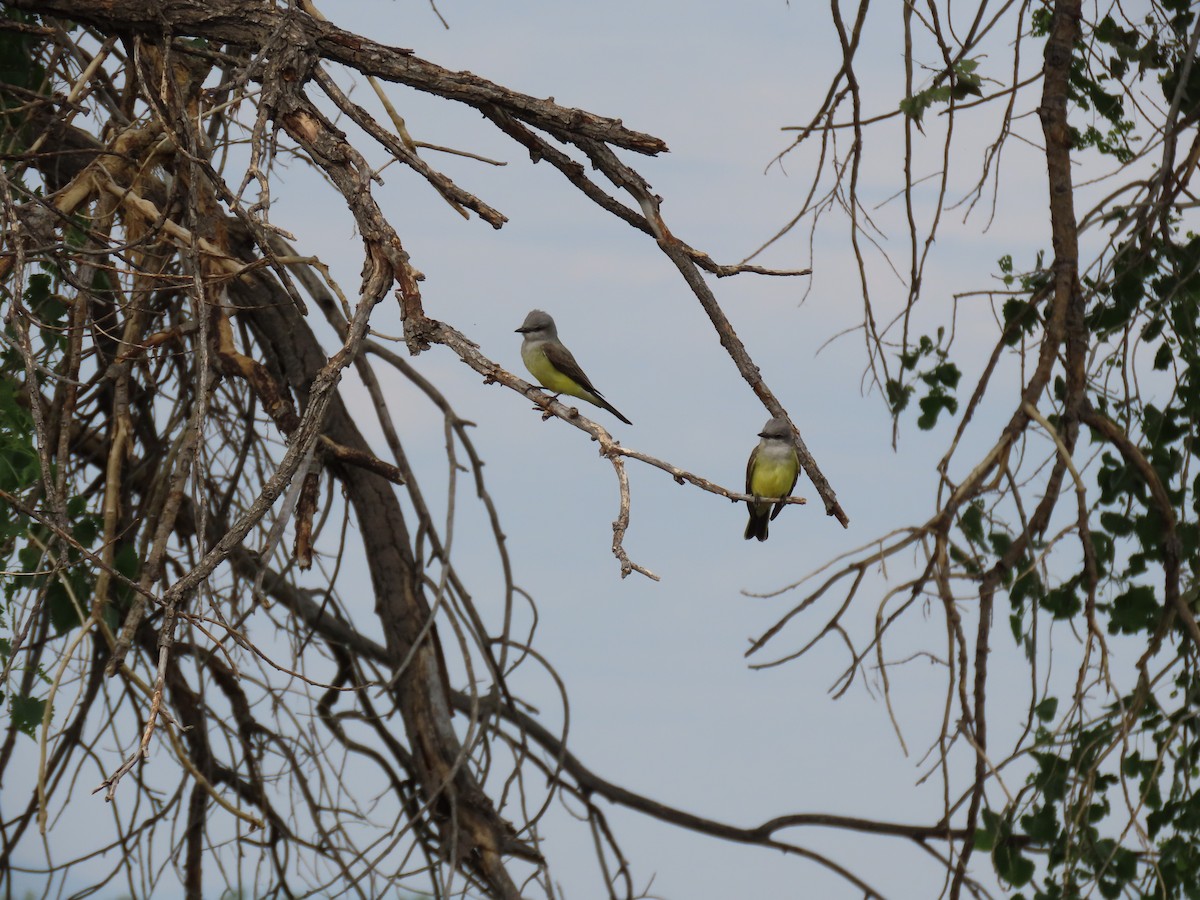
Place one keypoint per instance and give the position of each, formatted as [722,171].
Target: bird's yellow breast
[541,368]
[773,478]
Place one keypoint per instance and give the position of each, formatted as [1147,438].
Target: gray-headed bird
[771,472]
[553,365]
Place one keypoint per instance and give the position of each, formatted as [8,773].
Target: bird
[771,472]
[553,365]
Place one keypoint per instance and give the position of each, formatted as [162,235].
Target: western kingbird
[771,472]
[553,365]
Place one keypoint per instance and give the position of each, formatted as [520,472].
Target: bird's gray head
[539,324]
[776,429]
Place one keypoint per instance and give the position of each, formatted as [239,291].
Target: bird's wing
[750,468]
[560,357]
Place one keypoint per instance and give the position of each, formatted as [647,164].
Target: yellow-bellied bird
[553,365]
[771,472]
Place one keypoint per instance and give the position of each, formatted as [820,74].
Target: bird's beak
[518,331]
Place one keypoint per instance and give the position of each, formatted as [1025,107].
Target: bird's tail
[757,526]
[612,409]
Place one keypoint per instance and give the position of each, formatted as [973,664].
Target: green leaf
[1162,359]
[1137,609]
[1116,523]
[1011,866]
[986,836]
[966,82]
[947,373]
[971,523]
[897,395]
[1018,319]
[1000,542]
[931,406]
[1051,777]
[86,530]
[1043,825]
[17,64]
[1062,602]
[914,107]
[27,713]
[1027,586]
[1047,709]
[68,607]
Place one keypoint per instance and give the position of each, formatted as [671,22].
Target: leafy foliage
[39,562]
[940,376]
[957,83]
[1140,757]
